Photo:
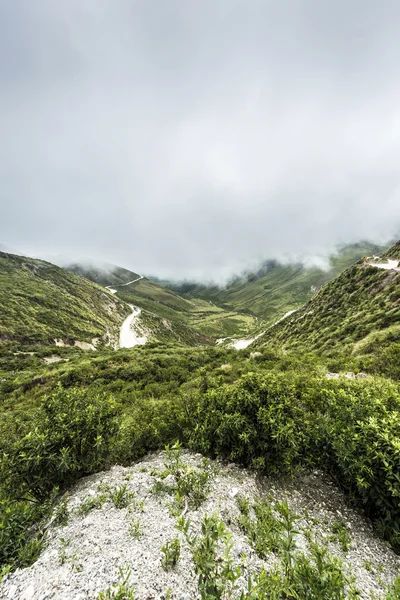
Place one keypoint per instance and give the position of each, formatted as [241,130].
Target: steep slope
[359,307]
[277,288]
[40,302]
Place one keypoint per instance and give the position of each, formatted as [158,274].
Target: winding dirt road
[127,336]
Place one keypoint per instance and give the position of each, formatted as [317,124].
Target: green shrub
[171,552]
[360,429]
[394,591]
[69,438]
[21,538]
[258,421]
[278,421]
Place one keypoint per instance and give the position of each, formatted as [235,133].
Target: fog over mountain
[194,138]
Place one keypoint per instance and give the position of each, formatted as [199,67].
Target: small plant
[211,553]
[368,566]
[174,462]
[139,506]
[61,513]
[243,505]
[135,528]
[121,590]
[287,539]
[64,556]
[340,535]
[190,487]
[320,575]
[91,503]
[171,552]
[394,592]
[263,531]
[62,553]
[120,496]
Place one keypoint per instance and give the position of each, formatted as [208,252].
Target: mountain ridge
[361,301]
[276,288]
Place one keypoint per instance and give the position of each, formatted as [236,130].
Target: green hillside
[289,407]
[276,288]
[40,302]
[171,316]
[358,308]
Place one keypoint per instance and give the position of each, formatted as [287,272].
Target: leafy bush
[16,518]
[258,421]
[361,433]
[277,421]
[69,438]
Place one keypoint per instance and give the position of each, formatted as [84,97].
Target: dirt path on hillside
[242,344]
[128,337]
[391,265]
[114,291]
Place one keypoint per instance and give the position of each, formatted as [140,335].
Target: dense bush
[21,537]
[258,421]
[69,437]
[277,421]
[360,434]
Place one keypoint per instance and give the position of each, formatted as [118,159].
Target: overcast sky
[190,138]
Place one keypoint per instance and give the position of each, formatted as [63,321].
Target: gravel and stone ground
[85,556]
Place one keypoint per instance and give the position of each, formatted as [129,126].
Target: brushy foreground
[176,525]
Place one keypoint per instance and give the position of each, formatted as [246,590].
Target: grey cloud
[191,139]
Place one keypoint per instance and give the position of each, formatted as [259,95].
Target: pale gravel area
[390,265]
[100,542]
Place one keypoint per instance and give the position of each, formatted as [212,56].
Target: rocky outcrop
[116,525]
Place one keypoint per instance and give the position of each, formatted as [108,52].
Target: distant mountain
[40,302]
[356,311]
[105,274]
[276,288]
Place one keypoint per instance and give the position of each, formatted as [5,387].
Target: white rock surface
[99,544]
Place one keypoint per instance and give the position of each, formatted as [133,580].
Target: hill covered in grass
[40,302]
[276,288]
[169,315]
[280,409]
[357,310]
